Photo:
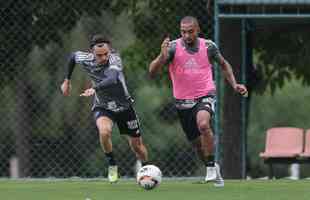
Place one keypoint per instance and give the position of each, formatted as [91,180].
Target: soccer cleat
[211,174]
[219,181]
[113,174]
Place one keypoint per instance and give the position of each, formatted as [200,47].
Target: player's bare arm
[229,75]
[157,64]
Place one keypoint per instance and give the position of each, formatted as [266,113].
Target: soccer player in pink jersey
[190,60]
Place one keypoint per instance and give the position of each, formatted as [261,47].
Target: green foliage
[154,20]
[65,123]
[283,54]
[35,33]
[55,119]
[40,22]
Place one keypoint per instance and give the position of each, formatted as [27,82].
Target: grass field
[170,190]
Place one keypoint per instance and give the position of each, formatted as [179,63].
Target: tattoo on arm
[215,56]
[213,52]
[227,71]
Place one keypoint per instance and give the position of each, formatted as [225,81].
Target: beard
[189,41]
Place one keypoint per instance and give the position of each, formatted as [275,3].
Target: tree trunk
[231,123]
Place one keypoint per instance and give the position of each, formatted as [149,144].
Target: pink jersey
[191,74]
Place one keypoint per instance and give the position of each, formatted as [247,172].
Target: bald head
[189,30]
[190,20]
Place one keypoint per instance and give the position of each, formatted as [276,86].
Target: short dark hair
[97,39]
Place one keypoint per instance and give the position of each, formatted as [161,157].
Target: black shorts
[127,120]
[188,115]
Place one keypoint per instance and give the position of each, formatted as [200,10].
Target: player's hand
[88,92]
[241,89]
[164,48]
[66,87]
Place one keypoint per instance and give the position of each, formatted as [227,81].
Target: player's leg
[198,132]
[104,124]
[205,139]
[205,142]
[138,148]
[128,124]
[140,151]
[189,125]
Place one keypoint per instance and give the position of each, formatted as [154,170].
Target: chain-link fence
[44,134]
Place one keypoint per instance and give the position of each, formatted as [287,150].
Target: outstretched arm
[229,75]
[216,56]
[227,70]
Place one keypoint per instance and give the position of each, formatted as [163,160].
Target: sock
[210,161]
[144,163]
[110,158]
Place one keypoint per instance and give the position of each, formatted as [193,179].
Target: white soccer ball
[149,177]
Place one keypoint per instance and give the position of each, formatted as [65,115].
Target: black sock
[144,163]
[110,158]
[210,161]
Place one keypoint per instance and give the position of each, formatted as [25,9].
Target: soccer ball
[149,177]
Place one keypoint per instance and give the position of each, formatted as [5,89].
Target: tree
[276,62]
[27,24]
[282,52]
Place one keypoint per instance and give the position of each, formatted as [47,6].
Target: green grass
[170,190]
